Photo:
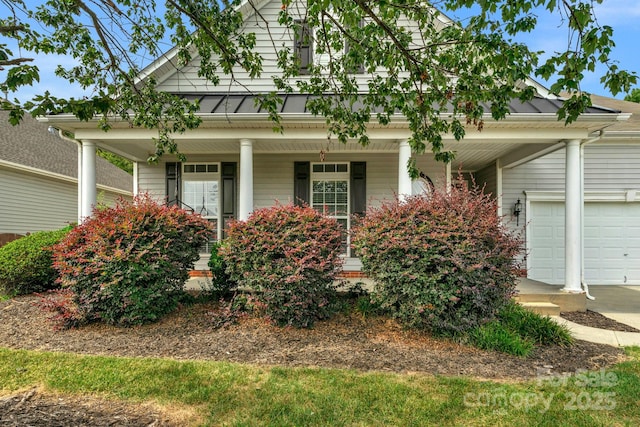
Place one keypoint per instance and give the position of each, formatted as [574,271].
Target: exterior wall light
[517,209]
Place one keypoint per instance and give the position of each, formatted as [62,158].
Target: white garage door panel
[612,242]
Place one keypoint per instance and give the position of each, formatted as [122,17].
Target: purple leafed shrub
[442,262]
[127,265]
[290,255]
[63,311]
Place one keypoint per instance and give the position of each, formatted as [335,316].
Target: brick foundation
[352,275]
[199,273]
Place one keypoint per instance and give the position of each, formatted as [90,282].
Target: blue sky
[622,15]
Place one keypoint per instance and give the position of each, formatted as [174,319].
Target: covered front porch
[265,160]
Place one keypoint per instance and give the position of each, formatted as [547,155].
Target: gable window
[359,67]
[330,194]
[201,193]
[303,45]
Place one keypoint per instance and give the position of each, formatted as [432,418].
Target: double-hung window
[330,194]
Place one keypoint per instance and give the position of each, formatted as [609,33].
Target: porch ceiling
[470,155]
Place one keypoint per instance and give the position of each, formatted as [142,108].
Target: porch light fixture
[517,208]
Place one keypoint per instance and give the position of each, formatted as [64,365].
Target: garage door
[612,243]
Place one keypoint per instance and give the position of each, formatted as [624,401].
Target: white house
[38,179]
[236,163]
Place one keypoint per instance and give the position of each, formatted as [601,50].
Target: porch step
[543,308]
[566,301]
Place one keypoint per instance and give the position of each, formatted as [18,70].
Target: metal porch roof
[234,103]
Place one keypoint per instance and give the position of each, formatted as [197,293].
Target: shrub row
[443,263]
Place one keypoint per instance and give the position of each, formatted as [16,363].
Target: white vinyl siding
[187,79]
[152,180]
[612,167]
[487,178]
[610,171]
[32,202]
[607,168]
[268,39]
[273,175]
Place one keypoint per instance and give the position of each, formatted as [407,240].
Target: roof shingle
[31,144]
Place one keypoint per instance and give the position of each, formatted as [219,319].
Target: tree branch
[410,58]
[7,29]
[15,61]
[113,60]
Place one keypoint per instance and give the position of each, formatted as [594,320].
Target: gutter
[36,171]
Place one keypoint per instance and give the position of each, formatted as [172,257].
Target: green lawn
[219,393]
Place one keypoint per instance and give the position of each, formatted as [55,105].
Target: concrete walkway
[601,336]
[620,303]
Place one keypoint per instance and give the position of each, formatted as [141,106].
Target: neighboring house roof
[31,145]
[630,125]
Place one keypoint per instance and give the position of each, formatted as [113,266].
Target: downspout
[583,282]
[79,144]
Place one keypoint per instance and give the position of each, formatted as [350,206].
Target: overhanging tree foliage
[633,96]
[435,72]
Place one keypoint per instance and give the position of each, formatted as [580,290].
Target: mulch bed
[344,342]
[32,408]
[596,320]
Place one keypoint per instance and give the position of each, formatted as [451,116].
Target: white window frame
[335,176]
[205,176]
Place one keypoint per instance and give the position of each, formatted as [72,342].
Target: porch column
[448,177]
[572,219]
[88,175]
[404,180]
[498,194]
[136,187]
[246,179]
[79,182]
